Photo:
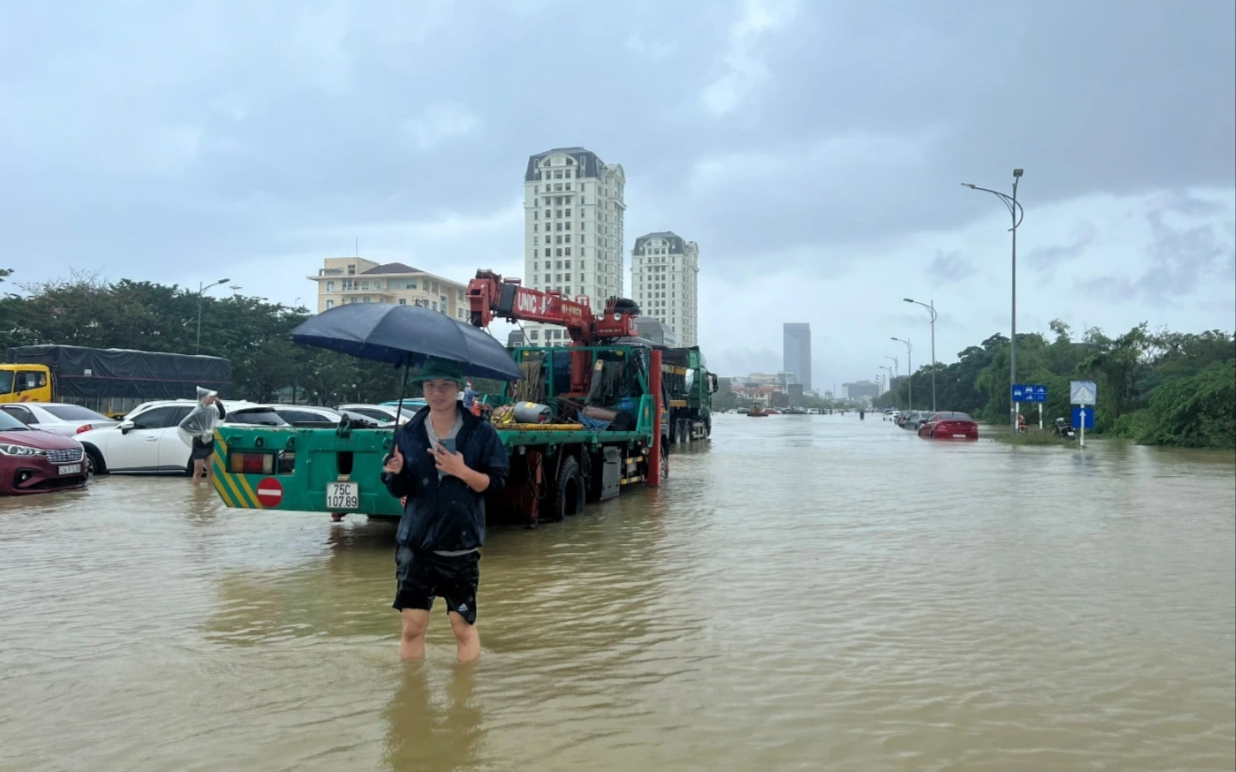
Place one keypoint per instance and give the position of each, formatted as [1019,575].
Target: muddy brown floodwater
[803,593]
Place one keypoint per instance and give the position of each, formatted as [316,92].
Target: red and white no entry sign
[270,492]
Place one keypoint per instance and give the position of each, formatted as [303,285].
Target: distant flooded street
[805,592]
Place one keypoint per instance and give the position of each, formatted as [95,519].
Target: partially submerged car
[35,461]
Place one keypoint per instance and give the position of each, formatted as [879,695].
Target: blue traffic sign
[1078,418]
[1029,392]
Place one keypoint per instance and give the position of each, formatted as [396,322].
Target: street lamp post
[909,372]
[892,377]
[1017,214]
[201,288]
[896,369]
[932,308]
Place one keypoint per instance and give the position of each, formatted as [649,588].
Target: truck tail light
[251,463]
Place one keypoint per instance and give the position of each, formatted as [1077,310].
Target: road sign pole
[1040,416]
[1083,426]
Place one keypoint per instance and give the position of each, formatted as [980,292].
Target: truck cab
[25,383]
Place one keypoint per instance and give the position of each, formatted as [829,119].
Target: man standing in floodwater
[444,461]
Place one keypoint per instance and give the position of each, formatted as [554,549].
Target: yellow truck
[110,381]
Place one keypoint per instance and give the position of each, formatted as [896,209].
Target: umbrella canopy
[407,335]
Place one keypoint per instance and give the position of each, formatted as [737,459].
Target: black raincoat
[445,514]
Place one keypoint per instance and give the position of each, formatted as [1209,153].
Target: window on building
[535,240]
[559,226]
[532,334]
[435,305]
[435,286]
[366,299]
[352,269]
[568,238]
[557,174]
[330,304]
[547,251]
[558,251]
[330,286]
[547,278]
[582,201]
[403,301]
[364,284]
[568,249]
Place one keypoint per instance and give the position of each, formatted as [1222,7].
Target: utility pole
[1017,213]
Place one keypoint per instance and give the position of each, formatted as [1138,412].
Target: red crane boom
[493,297]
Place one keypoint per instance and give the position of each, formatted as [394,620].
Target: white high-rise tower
[665,283]
[573,214]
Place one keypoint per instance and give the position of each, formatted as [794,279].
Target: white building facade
[665,283]
[573,237]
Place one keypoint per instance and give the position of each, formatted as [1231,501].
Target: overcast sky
[814,150]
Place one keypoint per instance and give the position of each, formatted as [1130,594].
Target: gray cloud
[948,267]
[148,138]
[1045,260]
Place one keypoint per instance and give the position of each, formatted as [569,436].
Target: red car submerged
[33,461]
[949,426]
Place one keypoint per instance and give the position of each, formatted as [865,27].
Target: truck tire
[569,490]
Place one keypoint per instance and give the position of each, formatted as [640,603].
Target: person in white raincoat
[197,431]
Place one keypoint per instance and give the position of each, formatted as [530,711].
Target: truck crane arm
[490,296]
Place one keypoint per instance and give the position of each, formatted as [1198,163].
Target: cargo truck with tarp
[110,381]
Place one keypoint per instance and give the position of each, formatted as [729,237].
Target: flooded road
[803,593]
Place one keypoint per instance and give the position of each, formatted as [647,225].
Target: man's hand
[450,463]
[394,464]
[453,464]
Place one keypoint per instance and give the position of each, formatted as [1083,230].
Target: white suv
[147,441]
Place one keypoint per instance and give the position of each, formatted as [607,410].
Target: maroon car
[33,461]
[949,426]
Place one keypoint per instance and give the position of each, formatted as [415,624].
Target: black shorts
[202,450]
[424,576]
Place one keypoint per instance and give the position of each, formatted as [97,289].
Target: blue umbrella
[406,336]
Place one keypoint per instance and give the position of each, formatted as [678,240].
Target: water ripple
[803,593]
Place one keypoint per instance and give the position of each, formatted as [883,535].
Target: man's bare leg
[412,639]
[467,639]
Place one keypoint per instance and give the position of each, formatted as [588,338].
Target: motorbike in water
[1063,430]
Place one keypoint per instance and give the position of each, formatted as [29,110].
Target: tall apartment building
[797,352]
[573,215]
[665,283]
[343,280]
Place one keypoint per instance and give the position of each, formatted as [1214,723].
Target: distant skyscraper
[664,280]
[798,352]
[573,216]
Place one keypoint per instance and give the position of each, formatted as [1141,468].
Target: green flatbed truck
[556,468]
